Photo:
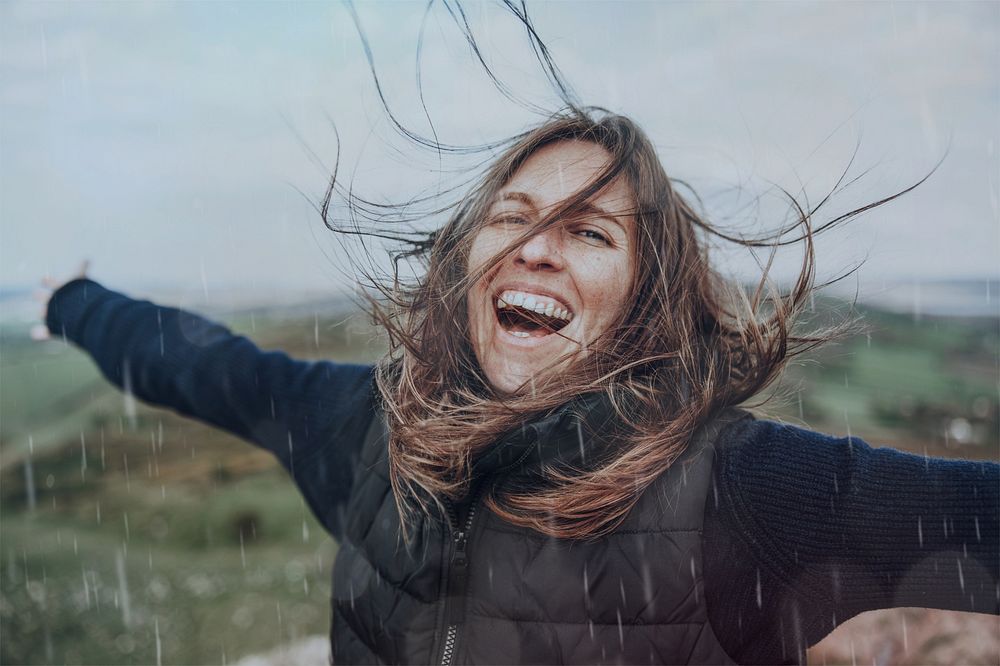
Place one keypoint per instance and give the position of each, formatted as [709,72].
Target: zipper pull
[458,558]
[459,576]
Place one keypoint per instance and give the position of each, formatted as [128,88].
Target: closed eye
[511,219]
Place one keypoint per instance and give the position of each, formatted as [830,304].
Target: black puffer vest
[472,589]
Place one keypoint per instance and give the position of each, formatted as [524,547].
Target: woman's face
[572,278]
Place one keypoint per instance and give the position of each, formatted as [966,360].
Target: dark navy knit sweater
[802,530]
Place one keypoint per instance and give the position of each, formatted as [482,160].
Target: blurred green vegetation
[150,538]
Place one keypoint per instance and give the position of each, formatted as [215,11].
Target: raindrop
[98,513]
[579,436]
[243,552]
[316,330]
[86,588]
[29,483]
[125,518]
[128,483]
[759,597]
[128,397]
[159,647]
[123,589]
[45,56]
[647,587]
[49,651]
[204,279]
[159,326]
[961,576]
[850,438]
[621,634]
[920,531]
[83,456]
[978,535]
[305,531]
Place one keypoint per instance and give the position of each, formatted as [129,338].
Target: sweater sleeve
[805,531]
[311,415]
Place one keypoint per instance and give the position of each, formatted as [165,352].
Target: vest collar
[571,436]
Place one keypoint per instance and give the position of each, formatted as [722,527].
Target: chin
[508,380]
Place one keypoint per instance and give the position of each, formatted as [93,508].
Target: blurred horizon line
[958,297]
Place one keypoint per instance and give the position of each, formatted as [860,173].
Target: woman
[548,467]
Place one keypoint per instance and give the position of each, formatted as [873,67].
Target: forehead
[558,170]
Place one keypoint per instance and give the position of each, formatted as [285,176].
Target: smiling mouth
[526,315]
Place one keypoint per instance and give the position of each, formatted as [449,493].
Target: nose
[543,251]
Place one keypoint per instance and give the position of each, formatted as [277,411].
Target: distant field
[131,535]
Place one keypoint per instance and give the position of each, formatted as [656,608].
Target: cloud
[171,129]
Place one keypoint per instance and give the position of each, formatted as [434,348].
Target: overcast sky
[179,145]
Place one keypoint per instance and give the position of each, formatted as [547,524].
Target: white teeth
[543,305]
[519,334]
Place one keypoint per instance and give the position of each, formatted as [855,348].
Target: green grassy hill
[133,536]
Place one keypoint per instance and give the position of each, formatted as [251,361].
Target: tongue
[516,320]
[531,328]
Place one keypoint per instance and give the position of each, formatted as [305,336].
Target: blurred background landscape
[182,147]
[133,536]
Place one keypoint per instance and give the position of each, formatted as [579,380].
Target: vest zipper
[457,580]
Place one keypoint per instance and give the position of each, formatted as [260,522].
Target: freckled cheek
[607,285]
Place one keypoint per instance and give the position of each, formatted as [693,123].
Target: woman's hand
[48,286]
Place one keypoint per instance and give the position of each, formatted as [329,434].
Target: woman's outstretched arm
[311,415]
[805,531]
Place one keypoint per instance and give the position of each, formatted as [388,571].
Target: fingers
[40,332]
[44,293]
[51,283]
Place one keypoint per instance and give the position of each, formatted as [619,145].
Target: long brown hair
[687,345]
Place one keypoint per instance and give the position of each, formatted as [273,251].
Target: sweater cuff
[68,304]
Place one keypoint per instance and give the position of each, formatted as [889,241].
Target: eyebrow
[585,207]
